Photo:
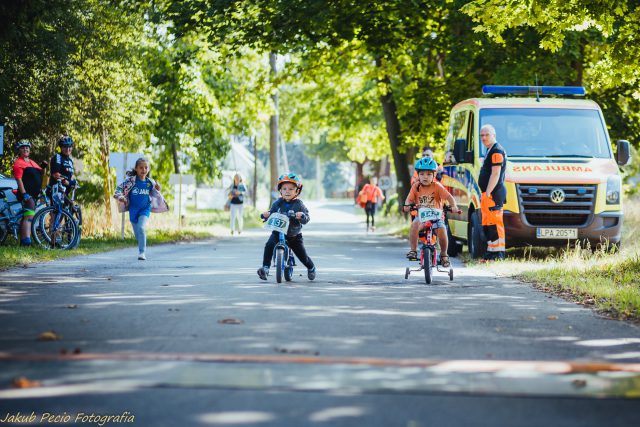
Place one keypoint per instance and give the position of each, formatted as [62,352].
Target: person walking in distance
[374,195]
[236,203]
[140,195]
[494,194]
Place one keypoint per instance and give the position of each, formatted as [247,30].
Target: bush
[391,206]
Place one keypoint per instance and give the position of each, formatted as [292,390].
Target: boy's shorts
[436,224]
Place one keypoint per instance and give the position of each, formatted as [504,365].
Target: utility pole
[273,127]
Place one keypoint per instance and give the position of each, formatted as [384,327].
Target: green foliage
[391,205]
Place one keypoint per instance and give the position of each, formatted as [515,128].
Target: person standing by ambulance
[494,194]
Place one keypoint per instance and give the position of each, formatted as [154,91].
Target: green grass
[163,228]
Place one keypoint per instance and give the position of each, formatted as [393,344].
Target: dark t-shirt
[238,199]
[496,156]
[62,165]
[31,175]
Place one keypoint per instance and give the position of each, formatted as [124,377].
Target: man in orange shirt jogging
[374,195]
[494,194]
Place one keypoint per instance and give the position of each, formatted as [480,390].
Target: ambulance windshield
[548,132]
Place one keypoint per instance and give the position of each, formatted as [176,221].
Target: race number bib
[429,214]
[277,222]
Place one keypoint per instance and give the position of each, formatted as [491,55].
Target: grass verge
[98,237]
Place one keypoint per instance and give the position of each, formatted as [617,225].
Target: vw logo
[557,195]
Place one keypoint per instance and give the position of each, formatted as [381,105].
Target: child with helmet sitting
[289,186]
[428,193]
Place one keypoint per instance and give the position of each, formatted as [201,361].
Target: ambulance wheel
[476,242]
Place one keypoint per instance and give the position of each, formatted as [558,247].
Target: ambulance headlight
[614,185]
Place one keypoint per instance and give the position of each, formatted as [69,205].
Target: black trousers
[296,243]
[370,209]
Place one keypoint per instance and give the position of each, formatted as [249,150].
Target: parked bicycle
[10,214]
[55,226]
[282,258]
[428,243]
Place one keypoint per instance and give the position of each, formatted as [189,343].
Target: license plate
[557,233]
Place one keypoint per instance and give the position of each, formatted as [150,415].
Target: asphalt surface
[192,336]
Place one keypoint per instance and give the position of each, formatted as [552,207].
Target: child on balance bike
[289,186]
[429,193]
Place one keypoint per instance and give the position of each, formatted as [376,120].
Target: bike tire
[59,223]
[427,266]
[288,270]
[4,231]
[279,264]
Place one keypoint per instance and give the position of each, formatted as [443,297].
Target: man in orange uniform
[494,194]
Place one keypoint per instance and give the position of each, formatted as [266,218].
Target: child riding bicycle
[289,186]
[428,193]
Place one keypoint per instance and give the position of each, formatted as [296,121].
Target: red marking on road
[469,366]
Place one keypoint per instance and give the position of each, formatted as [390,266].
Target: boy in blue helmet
[429,193]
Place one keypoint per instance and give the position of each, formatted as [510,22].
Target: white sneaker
[142,257]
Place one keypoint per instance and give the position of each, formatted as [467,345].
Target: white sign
[277,222]
[384,182]
[429,214]
[180,179]
[123,162]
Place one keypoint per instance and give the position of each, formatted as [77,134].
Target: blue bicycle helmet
[65,141]
[426,164]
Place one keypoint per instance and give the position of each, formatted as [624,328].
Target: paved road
[359,346]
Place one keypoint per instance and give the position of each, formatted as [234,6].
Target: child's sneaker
[142,256]
[263,272]
[311,273]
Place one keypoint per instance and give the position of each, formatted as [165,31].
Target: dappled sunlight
[335,413]
[236,418]
[609,342]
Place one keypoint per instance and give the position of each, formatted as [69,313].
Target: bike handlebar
[446,208]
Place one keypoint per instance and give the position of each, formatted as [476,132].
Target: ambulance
[563,180]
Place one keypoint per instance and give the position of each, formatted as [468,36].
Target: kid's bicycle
[427,240]
[282,254]
[11,212]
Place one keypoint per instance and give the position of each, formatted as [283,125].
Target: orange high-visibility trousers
[492,224]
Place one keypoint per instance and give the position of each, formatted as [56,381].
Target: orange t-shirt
[428,196]
[373,193]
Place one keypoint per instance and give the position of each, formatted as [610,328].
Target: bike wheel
[4,231]
[427,266]
[279,264]
[288,271]
[54,228]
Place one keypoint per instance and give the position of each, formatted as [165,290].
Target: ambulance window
[456,129]
[470,132]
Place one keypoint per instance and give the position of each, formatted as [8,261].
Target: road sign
[384,182]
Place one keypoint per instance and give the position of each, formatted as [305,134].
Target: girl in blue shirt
[141,196]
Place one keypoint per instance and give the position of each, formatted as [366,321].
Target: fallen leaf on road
[24,382]
[49,336]
[579,383]
[231,321]
[589,301]
[552,317]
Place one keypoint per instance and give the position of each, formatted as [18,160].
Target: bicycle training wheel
[55,229]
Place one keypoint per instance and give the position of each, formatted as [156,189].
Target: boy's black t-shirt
[283,207]
[62,165]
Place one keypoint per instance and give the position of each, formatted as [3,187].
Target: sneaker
[142,257]
[373,228]
[263,272]
[311,273]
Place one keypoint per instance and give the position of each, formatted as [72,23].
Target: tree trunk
[390,112]
[273,134]
[174,152]
[104,161]
[255,171]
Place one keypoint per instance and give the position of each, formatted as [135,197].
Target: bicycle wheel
[4,231]
[279,264]
[426,256]
[76,212]
[53,228]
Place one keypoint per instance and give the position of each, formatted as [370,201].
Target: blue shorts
[436,224]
